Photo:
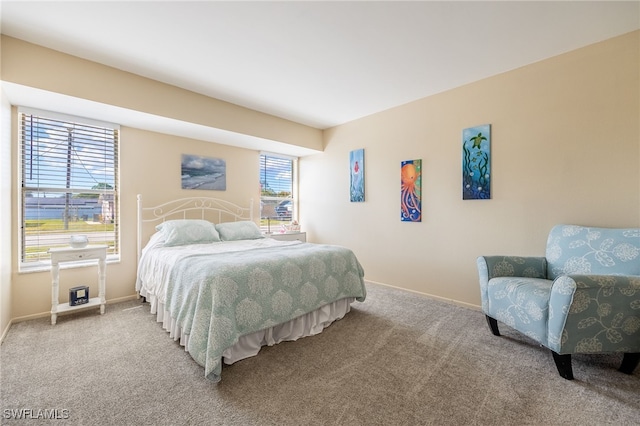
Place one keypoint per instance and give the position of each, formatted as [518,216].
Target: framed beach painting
[203,173]
[411,191]
[476,163]
[356,164]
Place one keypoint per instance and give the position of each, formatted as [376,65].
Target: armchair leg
[629,362]
[563,364]
[493,325]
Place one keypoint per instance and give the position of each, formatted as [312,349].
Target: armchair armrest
[513,266]
[508,266]
[595,313]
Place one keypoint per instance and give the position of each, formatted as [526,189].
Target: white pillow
[241,230]
[188,231]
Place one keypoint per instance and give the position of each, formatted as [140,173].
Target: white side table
[70,254]
[290,236]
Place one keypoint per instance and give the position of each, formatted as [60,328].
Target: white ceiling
[317,63]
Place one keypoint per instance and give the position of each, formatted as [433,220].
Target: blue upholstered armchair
[582,297]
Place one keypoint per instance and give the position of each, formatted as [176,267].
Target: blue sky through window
[60,155]
[276,178]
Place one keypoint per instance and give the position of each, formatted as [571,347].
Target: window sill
[45,265]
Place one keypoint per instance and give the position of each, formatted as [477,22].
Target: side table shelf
[70,254]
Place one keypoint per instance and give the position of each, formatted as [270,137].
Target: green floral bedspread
[218,298]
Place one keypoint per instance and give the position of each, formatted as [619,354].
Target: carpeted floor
[396,359]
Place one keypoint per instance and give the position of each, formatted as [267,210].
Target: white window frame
[273,223]
[43,264]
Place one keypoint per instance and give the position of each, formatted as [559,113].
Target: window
[69,184]
[277,205]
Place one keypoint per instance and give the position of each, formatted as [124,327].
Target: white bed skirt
[247,346]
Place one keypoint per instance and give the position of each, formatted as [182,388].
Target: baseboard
[48,313]
[5,331]
[431,296]
[136,296]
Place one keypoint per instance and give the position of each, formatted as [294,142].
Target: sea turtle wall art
[476,163]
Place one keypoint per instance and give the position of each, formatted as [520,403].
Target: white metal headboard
[212,209]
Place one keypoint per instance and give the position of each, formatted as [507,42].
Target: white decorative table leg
[102,277]
[55,273]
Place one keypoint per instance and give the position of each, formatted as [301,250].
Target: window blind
[69,183]
[276,195]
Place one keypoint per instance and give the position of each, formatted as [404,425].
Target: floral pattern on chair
[582,297]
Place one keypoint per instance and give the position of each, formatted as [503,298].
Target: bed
[224,290]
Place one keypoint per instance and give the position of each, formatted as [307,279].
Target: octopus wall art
[476,163]
[411,191]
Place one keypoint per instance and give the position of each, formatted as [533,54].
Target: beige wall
[149,161]
[149,165]
[38,67]
[5,215]
[565,149]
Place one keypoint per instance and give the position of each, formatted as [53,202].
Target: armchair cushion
[521,303]
[490,267]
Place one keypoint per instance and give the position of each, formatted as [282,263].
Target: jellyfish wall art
[356,163]
[476,163]
[411,191]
